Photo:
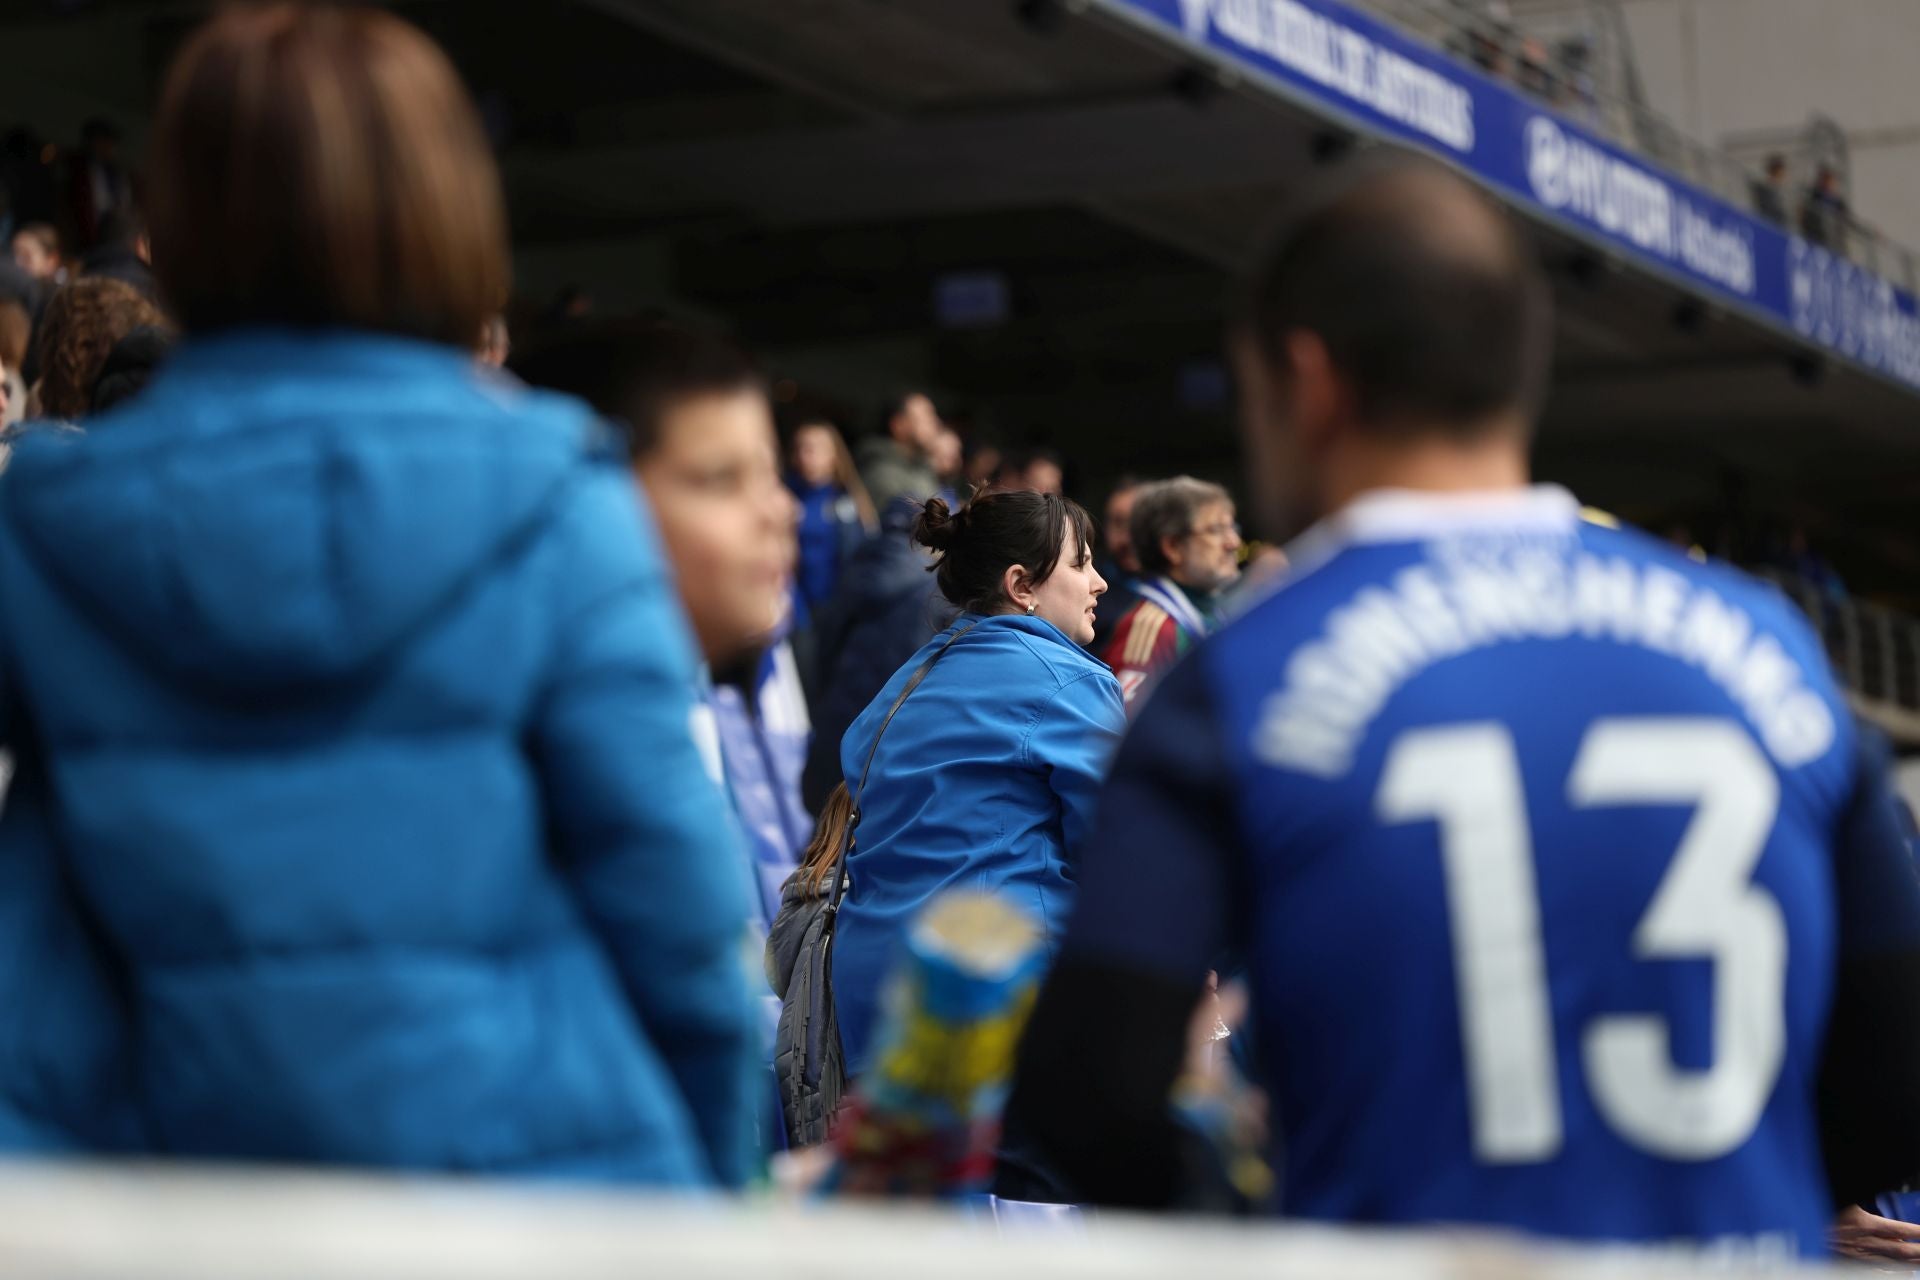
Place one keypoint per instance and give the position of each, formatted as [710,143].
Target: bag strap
[853,818]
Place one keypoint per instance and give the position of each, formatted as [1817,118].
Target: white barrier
[71,1222]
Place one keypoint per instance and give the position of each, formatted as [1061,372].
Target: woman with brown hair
[835,512]
[988,769]
[347,690]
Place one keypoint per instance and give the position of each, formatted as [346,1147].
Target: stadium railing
[1469,33]
[1875,651]
[170,1223]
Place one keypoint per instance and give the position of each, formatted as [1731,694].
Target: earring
[1030,609]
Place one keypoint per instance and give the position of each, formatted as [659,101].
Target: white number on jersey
[1467,778]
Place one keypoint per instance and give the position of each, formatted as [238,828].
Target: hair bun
[936,526]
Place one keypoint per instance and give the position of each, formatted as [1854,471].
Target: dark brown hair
[322,165]
[1000,528]
[1430,303]
[82,322]
[634,371]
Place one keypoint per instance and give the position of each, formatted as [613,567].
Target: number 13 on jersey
[1467,779]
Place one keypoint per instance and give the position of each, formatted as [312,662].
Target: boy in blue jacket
[698,430]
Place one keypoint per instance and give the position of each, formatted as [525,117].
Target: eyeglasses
[1224,529]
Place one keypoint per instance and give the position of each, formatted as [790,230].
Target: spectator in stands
[352,684]
[984,456]
[1794,553]
[1120,566]
[1485,48]
[887,606]
[1454,814]
[130,366]
[1187,539]
[949,459]
[698,428]
[123,252]
[1573,57]
[1770,196]
[1044,473]
[495,343]
[1536,77]
[895,463]
[1824,214]
[990,767]
[16,332]
[835,513]
[36,251]
[96,183]
[1034,470]
[83,322]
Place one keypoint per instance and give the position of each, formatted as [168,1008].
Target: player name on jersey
[1469,596]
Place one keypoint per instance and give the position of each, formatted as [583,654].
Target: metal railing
[1874,650]
[1600,88]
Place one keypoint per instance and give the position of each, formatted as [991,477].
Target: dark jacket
[351,705]
[886,608]
[891,472]
[798,964]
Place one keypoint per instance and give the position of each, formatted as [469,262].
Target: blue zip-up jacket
[985,779]
[351,705]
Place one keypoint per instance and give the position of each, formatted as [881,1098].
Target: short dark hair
[1166,509]
[1428,301]
[635,371]
[977,543]
[322,165]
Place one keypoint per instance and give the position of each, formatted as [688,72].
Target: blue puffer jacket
[357,799]
[985,779]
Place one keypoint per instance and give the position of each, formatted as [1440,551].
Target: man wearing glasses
[1188,542]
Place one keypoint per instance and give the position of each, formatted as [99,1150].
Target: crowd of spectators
[76,280]
[412,719]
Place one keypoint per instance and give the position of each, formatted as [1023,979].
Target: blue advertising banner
[1395,86]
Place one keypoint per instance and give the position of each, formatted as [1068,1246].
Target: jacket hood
[284,510]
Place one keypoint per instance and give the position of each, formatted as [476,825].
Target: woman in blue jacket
[347,690]
[835,513]
[986,777]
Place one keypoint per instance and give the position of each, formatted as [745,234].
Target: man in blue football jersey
[1568,896]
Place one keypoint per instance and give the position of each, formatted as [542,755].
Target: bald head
[1431,308]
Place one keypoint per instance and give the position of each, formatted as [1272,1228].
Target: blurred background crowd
[429,662]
